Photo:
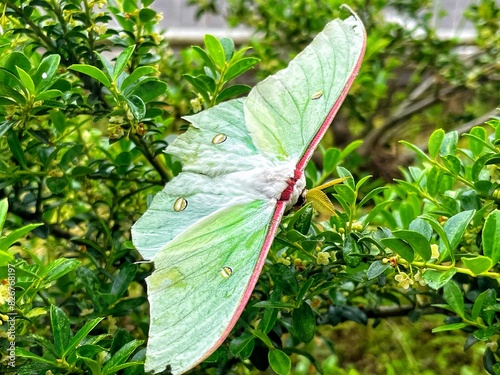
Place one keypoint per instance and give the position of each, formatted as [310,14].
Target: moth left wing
[201,283]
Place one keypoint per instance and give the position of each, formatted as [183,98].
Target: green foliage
[82,134]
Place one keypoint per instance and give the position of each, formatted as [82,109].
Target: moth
[209,231]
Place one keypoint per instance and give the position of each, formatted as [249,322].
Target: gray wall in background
[182,27]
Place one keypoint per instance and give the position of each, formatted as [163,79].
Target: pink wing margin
[280,205]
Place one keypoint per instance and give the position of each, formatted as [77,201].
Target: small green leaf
[58,268]
[418,242]
[123,279]
[16,148]
[449,327]
[228,46]
[477,308]
[376,269]
[454,228]
[134,77]
[57,184]
[122,60]
[243,345]
[416,150]
[81,334]
[400,247]
[478,264]
[303,322]
[146,14]
[7,241]
[149,90]
[330,159]
[26,80]
[491,236]
[137,107]
[476,146]
[240,67]
[435,141]
[206,59]
[4,207]
[351,252]
[279,362]
[453,296]
[437,279]
[484,334]
[120,357]
[453,164]
[91,71]
[231,92]
[421,226]
[449,145]
[49,94]
[215,50]
[45,74]
[61,330]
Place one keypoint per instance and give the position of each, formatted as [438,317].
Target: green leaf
[279,362]
[376,269]
[122,60]
[491,236]
[206,59]
[417,150]
[146,15]
[477,308]
[231,92]
[58,268]
[57,184]
[149,90]
[16,148]
[123,279]
[437,279]
[449,145]
[45,74]
[453,296]
[454,228]
[435,141]
[240,67]
[476,146]
[81,334]
[400,247]
[7,241]
[137,107]
[421,226]
[243,345]
[303,322]
[330,159]
[4,207]
[70,155]
[215,50]
[228,46]
[23,353]
[16,59]
[49,94]
[91,71]
[118,359]
[417,241]
[478,264]
[134,77]
[351,252]
[453,164]
[449,327]
[61,330]
[26,80]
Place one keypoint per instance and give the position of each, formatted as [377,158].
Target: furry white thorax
[268,181]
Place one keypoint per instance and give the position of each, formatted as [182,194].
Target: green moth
[208,232]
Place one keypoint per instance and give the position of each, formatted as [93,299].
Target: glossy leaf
[60,329]
[215,50]
[418,242]
[437,279]
[478,264]
[91,71]
[400,247]
[491,236]
[303,322]
[453,296]
[279,362]
[435,141]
